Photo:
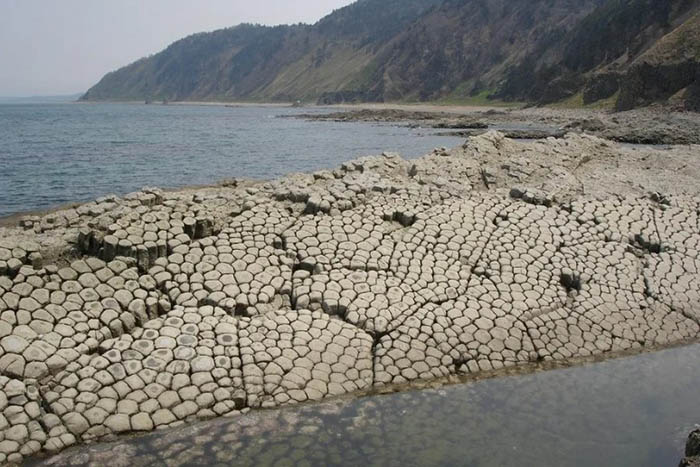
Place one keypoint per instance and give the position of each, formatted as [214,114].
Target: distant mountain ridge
[630,52]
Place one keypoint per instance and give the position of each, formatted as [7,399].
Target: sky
[55,47]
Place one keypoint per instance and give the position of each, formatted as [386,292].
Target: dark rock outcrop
[646,83]
[600,86]
[692,450]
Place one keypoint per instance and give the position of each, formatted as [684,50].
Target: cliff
[630,52]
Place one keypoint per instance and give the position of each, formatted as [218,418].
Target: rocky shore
[148,311]
[692,450]
[643,126]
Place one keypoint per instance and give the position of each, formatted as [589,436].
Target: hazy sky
[65,46]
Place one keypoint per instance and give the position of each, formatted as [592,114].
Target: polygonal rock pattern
[440,339]
[25,429]
[49,317]
[152,227]
[674,279]
[301,355]
[382,271]
[146,235]
[240,269]
[182,365]
[14,253]
[144,226]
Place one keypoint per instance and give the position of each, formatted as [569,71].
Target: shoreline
[380,275]
[466,121]
[654,126]
[447,382]
[649,125]
[193,103]
[13,220]
[430,106]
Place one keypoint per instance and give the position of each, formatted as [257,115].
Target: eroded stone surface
[201,304]
[299,356]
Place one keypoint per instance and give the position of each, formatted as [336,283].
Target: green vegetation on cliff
[539,51]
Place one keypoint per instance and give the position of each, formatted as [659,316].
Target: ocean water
[51,154]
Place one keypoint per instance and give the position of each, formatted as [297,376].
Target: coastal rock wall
[382,271]
[645,83]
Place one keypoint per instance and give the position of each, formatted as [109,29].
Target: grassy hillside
[265,63]
[469,45]
[669,70]
[538,51]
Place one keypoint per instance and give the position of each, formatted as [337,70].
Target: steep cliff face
[265,63]
[539,51]
[466,47]
[201,66]
[670,69]
[595,56]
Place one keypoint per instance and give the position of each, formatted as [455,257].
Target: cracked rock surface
[133,314]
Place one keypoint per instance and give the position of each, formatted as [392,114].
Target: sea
[55,153]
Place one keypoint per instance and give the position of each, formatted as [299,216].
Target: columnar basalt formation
[161,308]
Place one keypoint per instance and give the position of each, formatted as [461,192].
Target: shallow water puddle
[632,411]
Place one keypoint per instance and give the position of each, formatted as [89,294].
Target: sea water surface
[51,154]
[634,411]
